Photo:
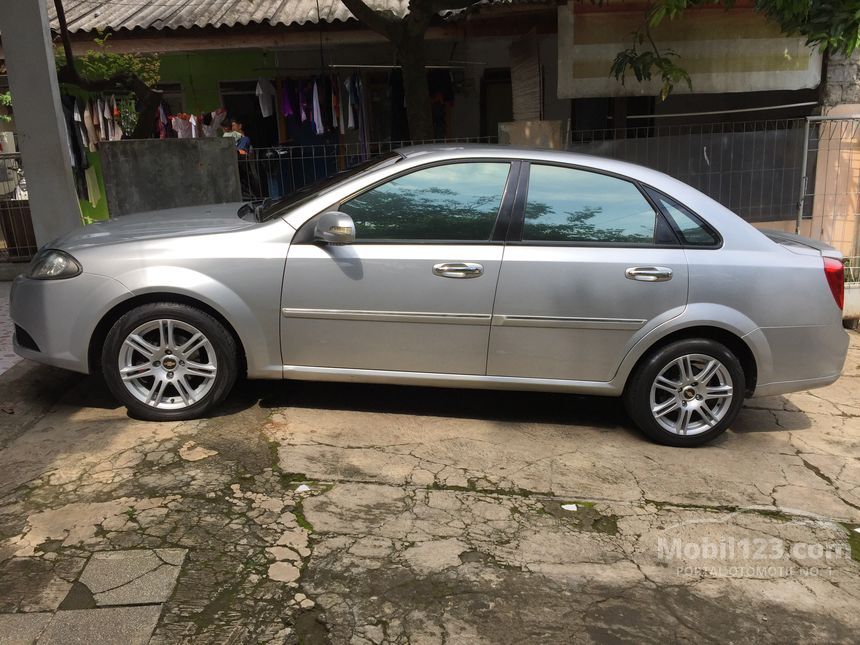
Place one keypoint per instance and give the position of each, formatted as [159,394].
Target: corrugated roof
[93,15]
[102,15]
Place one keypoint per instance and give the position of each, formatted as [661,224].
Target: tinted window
[451,202]
[692,230]
[569,205]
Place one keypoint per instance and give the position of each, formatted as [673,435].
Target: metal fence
[753,168]
[830,188]
[280,171]
[17,240]
[852,270]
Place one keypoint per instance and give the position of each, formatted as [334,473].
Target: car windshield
[270,209]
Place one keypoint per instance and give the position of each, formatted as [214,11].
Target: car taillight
[834,271]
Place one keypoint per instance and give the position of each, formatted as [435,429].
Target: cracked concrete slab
[109,626]
[367,514]
[22,629]
[132,577]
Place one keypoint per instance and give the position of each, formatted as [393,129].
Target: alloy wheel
[167,364]
[691,394]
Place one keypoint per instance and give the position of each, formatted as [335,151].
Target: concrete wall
[151,174]
[843,80]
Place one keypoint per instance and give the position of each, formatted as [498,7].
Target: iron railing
[852,269]
[17,240]
[280,171]
[753,168]
[830,188]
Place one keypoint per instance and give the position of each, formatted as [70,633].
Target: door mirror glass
[334,227]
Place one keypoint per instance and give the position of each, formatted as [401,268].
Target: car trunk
[798,243]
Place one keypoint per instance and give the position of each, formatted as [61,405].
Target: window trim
[654,194]
[515,238]
[501,225]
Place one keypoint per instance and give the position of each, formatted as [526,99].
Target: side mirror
[334,227]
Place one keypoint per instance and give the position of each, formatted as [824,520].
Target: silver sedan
[485,267]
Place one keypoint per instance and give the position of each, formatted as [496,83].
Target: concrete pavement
[365,514]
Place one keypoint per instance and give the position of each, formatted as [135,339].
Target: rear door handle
[458,270]
[649,274]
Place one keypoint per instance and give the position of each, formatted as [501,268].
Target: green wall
[200,72]
[91,213]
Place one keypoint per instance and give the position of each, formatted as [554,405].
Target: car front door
[589,263]
[414,292]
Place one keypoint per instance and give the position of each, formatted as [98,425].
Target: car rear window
[572,205]
[689,226]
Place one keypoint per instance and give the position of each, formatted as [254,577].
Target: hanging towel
[318,123]
[90,126]
[79,125]
[335,106]
[266,96]
[94,193]
[347,99]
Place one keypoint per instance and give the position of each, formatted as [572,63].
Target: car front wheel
[686,393]
[169,361]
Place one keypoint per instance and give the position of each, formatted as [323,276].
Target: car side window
[457,201]
[572,205]
[692,230]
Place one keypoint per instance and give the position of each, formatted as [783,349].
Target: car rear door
[589,263]
[415,291]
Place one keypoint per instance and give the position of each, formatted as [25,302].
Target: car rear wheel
[686,393]
[169,361]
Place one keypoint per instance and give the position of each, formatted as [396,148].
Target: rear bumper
[801,358]
[60,317]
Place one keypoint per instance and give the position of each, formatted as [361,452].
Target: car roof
[441,151]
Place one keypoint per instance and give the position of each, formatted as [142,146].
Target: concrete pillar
[42,136]
[843,80]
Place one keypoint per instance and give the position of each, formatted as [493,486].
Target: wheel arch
[100,332]
[736,344]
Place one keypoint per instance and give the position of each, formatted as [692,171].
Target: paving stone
[132,577]
[22,628]
[109,626]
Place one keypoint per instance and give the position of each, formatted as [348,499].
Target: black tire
[221,340]
[637,393]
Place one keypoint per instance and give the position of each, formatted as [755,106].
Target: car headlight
[52,264]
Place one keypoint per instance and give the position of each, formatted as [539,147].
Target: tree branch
[386,23]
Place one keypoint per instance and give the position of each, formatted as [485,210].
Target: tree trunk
[411,57]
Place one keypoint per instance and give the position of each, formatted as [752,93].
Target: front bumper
[61,315]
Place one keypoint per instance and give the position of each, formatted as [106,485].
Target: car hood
[174,222]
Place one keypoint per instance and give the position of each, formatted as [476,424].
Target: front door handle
[649,274]
[458,270]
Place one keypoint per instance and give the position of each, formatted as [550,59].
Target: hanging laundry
[287,98]
[94,193]
[215,120]
[266,96]
[348,103]
[90,126]
[116,119]
[335,108]
[304,101]
[182,125]
[79,126]
[343,100]
[324,85]
[100,113]
[318,122]
[193,121]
